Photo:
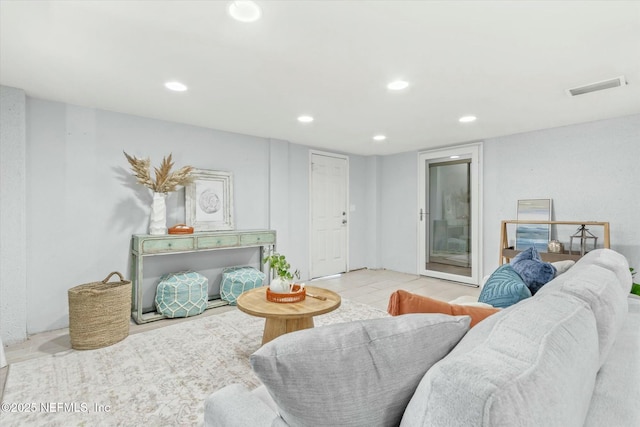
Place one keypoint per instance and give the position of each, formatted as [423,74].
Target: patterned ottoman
[182,294]
[236,280]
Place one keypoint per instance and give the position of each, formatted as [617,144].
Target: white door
[449,221]
[329,215]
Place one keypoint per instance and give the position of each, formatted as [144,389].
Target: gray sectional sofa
[569,356]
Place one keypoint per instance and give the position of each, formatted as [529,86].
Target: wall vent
[592,87]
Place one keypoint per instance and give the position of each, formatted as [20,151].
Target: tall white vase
[158,217]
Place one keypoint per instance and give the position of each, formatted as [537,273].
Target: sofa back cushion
[533,364]
[357,373]
[601,279]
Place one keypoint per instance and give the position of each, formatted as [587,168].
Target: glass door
[449,243]
[449,217]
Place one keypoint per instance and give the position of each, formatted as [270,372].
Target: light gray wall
[81,204]
[398,203]
[13,246]
[590,171]
[373,207]
[359,210]
[297,249]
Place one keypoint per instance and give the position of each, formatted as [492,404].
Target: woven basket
[99,313]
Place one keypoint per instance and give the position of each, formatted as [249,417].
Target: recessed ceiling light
[467,119]
[305,119]
[398,85]
[379,138]
[175,86]
[244,11]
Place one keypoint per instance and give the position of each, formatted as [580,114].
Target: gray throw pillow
[357,373]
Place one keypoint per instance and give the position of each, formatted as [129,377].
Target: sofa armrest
[235,406]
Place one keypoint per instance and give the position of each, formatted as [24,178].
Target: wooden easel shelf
[508,252]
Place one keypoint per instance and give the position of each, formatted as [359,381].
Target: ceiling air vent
[592,87]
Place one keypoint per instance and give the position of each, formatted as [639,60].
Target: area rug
[156,378]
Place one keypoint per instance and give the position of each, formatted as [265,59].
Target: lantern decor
[584,235]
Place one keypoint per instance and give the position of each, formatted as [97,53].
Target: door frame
[474,152]
[310,201]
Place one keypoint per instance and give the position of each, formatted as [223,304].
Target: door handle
[423,214]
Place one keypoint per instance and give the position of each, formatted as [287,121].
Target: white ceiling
[507,62]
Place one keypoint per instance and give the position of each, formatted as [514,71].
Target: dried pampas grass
[165,180]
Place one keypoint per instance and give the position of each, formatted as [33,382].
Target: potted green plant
[282,269]
[635,287]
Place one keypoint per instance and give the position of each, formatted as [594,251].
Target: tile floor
[371,287]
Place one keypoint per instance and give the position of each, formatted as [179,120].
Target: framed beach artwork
[209,201]
[533,235]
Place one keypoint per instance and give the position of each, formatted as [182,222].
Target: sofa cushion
[613,261]
[504,288]
[403,302]
[236,406]
[533,364]
[357,373]
[615,398]
[535,272]
[599,279]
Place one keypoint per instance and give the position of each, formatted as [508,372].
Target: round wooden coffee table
[287,317]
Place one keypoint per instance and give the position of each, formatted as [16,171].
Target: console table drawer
[258,239]
[211,242]
[156,246]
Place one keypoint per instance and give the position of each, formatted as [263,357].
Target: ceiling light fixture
[175,86]
[398,85]
[379,138]
[305,119]
[244,11]
[467,119]
[454,157]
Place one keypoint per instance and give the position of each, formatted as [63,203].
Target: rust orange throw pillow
[403,302]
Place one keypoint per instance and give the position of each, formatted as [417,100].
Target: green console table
[146,245]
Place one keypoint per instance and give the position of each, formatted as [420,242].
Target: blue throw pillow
[535,272]
[504,288]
